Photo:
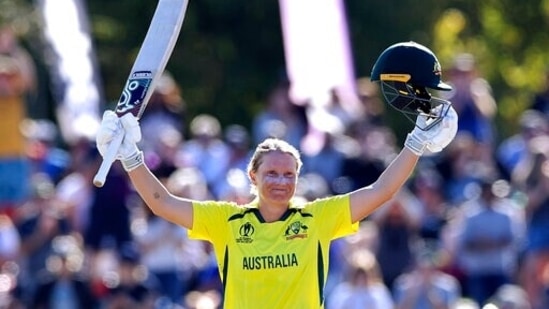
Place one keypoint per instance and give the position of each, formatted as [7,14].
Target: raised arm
[405,71]
[162,203]
[365,200]
[152,191]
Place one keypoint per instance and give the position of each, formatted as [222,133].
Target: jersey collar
[294,204]
[253,207]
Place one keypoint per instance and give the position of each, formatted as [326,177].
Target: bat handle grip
[108,159]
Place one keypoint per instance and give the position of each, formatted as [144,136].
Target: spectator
[425,286]
[39,221]
[371,148]
[17,81]
[516,150]
[237,138]
[75,190]
[130,285]
[428,187]
[42,151]
[374,108]
[327,160]
[472,98]
[162,257]
[342,249]
[488,242]
[205,146]
[163,158]
[165,111]
[281,118]
[111,231]
[397,224]
[235,185]
[460,166]
[536,260]
[363,286]
[64,285]
[109,217]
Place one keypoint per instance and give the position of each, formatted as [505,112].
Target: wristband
[133,161]
[415,145]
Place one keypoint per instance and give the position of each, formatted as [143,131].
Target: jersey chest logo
[296,230]
[245,233]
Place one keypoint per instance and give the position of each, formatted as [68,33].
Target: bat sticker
[146,70]
[134,92]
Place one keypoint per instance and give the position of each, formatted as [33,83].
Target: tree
[509,40]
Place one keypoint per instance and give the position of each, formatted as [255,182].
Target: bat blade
[149,64]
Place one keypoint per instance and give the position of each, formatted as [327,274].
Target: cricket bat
[148,66]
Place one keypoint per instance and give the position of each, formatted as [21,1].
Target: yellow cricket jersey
[280,264]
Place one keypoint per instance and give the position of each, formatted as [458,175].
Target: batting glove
[112,126]
[436,138]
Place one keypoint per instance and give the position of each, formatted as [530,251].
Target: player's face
[276,178]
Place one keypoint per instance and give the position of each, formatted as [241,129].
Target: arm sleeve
[210,219]
[335,213]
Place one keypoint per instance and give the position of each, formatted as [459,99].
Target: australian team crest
[437,69]
[296,230]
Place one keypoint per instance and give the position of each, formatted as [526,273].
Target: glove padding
[112,126]
[436,138]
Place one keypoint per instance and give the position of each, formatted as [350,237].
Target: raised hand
[436,138]
[111,128]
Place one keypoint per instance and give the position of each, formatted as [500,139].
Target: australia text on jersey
[269,261]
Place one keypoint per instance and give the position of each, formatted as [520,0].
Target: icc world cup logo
[247,230]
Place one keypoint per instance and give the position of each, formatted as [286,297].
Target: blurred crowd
[469,230]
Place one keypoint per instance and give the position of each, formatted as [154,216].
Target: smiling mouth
[279,191]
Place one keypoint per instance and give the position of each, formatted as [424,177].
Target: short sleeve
[335,214]
[210,219]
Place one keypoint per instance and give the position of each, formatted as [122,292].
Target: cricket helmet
[405,71]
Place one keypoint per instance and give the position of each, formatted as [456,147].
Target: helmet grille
[413,101]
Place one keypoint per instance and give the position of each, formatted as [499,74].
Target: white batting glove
[436,138]
[111,127]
